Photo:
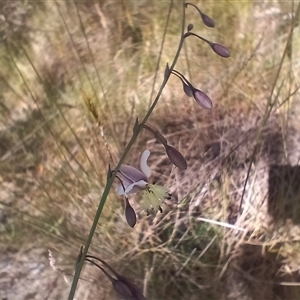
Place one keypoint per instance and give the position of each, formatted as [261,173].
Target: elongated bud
[202,99]
[130,214]
[122,290]
[176,157]
[217,48]
[208,21]
[220,50]
[127,289]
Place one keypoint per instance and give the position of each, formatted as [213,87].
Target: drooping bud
[122,285]
[176,157]
[208,21]
[217,48]
[190,27]
[130,214]
[202,99]
[122,289]
[220,50]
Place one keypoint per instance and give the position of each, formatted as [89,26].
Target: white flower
[134,180]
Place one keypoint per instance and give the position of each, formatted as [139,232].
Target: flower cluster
[133,180]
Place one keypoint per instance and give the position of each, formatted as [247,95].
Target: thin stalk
[181,77]
[126,151]
[160,51]
[199,37]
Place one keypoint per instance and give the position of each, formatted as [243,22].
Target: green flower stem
[109,183]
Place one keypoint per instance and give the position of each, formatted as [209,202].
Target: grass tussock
[231,227]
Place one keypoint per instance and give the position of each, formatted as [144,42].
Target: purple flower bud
[122,289]
[202,99]
[208,21]
[220,50]
[190,27]
[176,157]
[130,214]
[122,285]
[217,48]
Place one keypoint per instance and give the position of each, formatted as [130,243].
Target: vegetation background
[54,157]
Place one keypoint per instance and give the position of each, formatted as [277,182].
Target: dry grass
[54,157]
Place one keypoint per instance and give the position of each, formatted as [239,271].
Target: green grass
[54,157]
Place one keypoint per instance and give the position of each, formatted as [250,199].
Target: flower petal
[130,173]
[120,190]
[143,163]
[136,187]
[130,214]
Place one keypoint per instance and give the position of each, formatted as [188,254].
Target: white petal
[135,187]
[143,163]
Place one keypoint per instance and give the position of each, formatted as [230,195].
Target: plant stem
[111,179]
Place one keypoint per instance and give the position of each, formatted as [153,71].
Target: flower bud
[130,214]
[202,99]
[122,290]
[176,157]
[125,288]
[208,21]
[190,27]
[220,50]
